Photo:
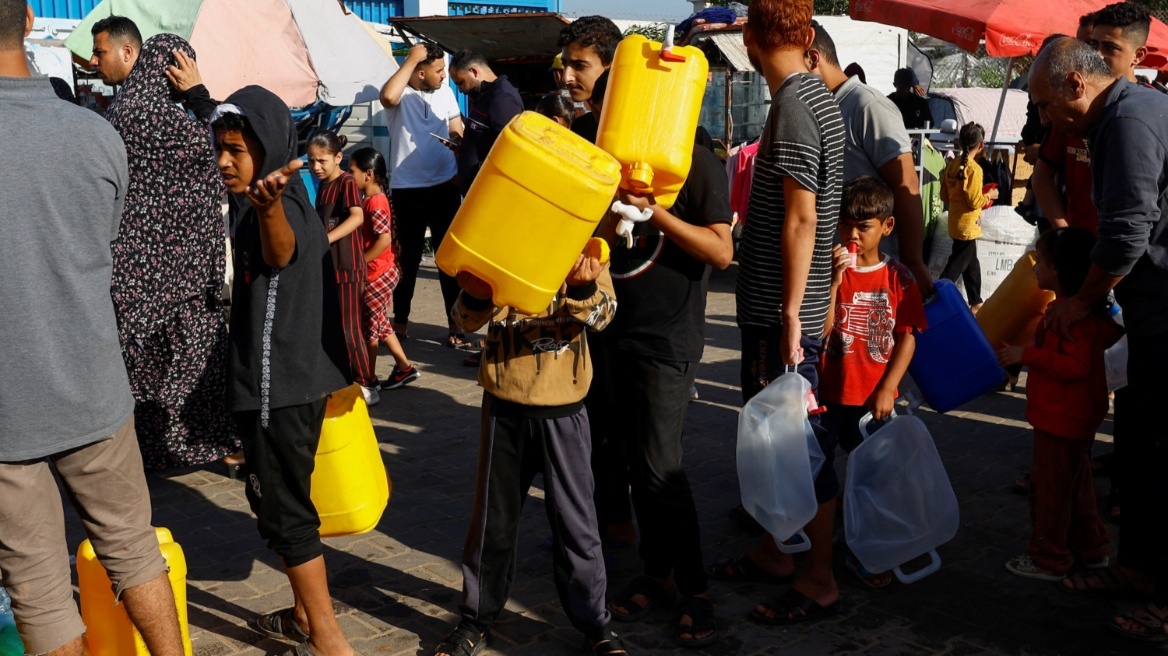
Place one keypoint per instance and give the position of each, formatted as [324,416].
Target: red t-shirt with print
[378,221]
[872,304]
[1071,156]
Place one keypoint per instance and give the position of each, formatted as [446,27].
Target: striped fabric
[803,140]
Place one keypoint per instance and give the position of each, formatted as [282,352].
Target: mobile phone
[446,142]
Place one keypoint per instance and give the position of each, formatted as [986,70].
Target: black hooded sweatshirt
[286,343]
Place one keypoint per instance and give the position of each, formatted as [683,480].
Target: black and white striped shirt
[803,139]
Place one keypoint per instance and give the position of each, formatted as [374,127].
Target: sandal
[303,650]
[280,625]
[877,580]
[743,569]
[647,587]
[473,360]
[1023,565]
[456,341]
[1108,582]
[465,640]
[605,644]
[794,607]
[701,619]
[1145,624]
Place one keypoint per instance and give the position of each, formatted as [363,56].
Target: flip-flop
[794,607]
[648,587]
[1113,584]
[743,569]
[856,567]
[280,625]
[701,616]
[1151,622]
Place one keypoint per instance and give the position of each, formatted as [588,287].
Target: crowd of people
[115,288]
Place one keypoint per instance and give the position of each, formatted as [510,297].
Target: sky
[663,10]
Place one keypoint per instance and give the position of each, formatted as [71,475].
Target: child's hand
[586,270]
[841,260]
[993,195]
[881,402]
[1010,355]
[266,192]
[474,286]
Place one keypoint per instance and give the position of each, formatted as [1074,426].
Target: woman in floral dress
[168,270]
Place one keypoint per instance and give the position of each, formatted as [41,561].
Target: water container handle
[630,216]
[867,419]
[933,566]
[667,48]
[797,543]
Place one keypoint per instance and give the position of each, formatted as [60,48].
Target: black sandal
[794,607]
[743,569]
[646,586]
[1146,624]
[605,644]
[701,616]
[280,625]
[465,640]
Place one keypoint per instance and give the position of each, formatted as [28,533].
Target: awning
[496,36]
[731,46]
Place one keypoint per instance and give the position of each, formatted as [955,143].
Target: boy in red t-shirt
[876,308]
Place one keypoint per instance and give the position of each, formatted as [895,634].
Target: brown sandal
[1110,582]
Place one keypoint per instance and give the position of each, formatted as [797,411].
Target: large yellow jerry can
[1011,314]
[531,210]
[350,487]
[650,114]
[108,630]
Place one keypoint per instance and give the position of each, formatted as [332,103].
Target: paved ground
[397,588]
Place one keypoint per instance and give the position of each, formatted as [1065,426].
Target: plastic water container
[651,110]
[530,211]
[898,503]
[1012,313]
[10,644]
[778,459]
[350,487]
[953,363]
[109,631]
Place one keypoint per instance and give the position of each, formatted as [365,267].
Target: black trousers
[1142,461]
[413,211]
[610,467]
[513,448]
[651,397]
[963,263]
[280,461]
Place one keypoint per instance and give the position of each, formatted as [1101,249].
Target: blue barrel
[953,363]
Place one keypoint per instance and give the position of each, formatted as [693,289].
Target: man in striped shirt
[784,277]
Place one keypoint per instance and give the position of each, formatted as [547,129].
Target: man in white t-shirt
[423,172]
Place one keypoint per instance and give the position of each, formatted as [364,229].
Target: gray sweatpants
[515,445]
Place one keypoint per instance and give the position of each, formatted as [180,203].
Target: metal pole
[1002,101]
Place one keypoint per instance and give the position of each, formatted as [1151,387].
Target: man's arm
[901,175]
[798,247]
[395,86]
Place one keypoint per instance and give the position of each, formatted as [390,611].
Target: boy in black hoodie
[286,355]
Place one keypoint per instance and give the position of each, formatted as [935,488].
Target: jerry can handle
[933,566]
[797,543]
[867,419]
[667,53]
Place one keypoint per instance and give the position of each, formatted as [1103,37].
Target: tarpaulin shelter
[304,51]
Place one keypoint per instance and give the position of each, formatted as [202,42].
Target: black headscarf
[170,246]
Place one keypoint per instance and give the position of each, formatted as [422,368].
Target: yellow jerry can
[108,630]
[650,114]
[1011,314]
[532,208]
[350,487]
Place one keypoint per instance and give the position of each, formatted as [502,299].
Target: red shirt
[872,304]
[333,201]
[1066,383]
[378,221]
[1071,156]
